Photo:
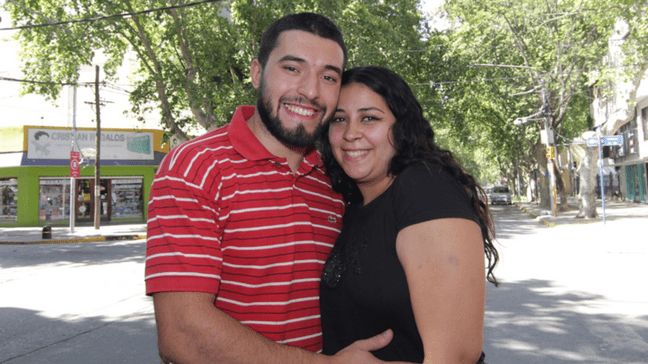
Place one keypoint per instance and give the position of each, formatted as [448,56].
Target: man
[242,219]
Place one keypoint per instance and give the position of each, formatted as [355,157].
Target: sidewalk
[34,235]
[613,211]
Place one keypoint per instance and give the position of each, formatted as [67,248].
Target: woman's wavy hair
[414,143]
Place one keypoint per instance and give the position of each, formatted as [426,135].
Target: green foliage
[193,62]
[527,50]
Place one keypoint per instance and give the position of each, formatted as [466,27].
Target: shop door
[641,184]
[85,201]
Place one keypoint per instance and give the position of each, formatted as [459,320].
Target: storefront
[635,183]
[36,184]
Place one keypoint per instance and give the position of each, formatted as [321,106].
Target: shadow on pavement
[28,337]
[529,322]
[86,253]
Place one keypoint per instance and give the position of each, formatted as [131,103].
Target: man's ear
[256,70]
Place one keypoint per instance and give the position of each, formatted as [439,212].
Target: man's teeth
[356,153]
[300,111]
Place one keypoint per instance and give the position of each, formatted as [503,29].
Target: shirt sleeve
[425,192]
[183,250]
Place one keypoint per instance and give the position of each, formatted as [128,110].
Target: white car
[500,194]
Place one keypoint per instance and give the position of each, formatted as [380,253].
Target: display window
[126,198]
[9,203]
[54,200]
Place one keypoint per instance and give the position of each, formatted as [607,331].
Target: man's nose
[309,86]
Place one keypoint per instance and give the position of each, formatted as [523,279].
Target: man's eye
[330,78]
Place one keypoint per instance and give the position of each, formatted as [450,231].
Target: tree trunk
[560,188]
[587,195]
[539,151]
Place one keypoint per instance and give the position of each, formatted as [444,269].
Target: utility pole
[97,197]
[551,150]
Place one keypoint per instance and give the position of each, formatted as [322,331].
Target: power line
[2,78]
[122,15]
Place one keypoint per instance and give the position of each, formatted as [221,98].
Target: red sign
[74,165]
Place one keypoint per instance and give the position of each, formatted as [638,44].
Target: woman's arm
[444,263]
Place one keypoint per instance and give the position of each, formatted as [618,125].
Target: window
[9,202]
[644,119]
[126,198]
[54,200]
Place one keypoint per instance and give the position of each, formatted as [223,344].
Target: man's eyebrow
[292,58]
[335,69]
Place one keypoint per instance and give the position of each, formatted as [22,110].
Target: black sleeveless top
[364,290]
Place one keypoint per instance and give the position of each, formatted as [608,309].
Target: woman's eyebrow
[369,108]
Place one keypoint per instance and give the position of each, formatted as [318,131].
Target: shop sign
[44,143]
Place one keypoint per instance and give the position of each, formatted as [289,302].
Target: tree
[542,53]
[193,58]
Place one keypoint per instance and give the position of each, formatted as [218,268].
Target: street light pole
[72,179]
[97,191]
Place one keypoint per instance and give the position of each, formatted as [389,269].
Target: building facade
[36,183]
[622,109]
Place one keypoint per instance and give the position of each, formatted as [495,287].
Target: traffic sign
[613,140]
[616,140]
[74,165]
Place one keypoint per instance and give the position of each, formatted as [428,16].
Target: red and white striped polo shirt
[227,217]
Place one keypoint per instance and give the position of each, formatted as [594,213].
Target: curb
[545,219]
[76,240]
[540,220]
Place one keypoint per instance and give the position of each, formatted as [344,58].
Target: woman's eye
[369,118]
[338,120]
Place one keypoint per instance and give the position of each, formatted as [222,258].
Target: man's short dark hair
[309,22]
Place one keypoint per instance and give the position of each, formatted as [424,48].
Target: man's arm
[192,330]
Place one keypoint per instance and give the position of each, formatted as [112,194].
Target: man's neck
[294,155]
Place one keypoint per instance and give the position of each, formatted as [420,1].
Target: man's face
[299,86]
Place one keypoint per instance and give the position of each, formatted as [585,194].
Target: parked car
[500,194]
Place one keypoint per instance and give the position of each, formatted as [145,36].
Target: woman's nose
[351,132]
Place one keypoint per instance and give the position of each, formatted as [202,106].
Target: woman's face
[361,138]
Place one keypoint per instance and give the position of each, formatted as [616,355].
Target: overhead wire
[112,16]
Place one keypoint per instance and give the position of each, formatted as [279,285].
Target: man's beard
[297,137]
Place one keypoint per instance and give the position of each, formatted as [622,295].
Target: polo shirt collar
[247,144]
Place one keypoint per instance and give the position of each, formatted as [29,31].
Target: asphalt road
[75,303]
[569,294]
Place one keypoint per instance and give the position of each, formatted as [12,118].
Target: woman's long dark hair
[414,142]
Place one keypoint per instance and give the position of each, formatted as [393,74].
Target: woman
[410,256]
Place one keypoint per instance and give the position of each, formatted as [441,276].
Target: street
[568,294]
[75,303]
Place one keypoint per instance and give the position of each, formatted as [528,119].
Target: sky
[36,110]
